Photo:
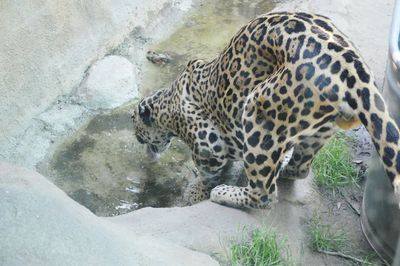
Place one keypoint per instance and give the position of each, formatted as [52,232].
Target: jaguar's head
[147,130]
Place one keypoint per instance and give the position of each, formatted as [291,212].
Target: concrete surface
[41,225]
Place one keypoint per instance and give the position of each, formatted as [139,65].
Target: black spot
[217,148]
[392,134]
[259,35]
[363,119]
[266,104]
[364,94]
[298,89]
[308,93]
[302,14]
[339,39]
[304,124]
[320,33]
[305,112]
[350,100]
[362,74]
[272,114]
[294,26]
[280,129]
[252,184]
[351,80]
[293,58]
[282,116]
[348,56]
[306,158]
[254,139]
[324,129]
[268,125]
[313,48]
[307,69]
[292,118]
[250,158]
[335,47]
[239,135]
[379,102]
[332,95]
[326,119]
[254,173]
[264,198]
[324,60]
[214,162]
[288,76]
[255,23]
[248,127]
[260,159]
[377,125]
[388,155]
[335,68]
[326,109]
[240,44]
[276,154]
[277,20]
[276,98]
[212,137]
[323,25]
[321,82]
[202,134]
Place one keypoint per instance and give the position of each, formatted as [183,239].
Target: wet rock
[158,58]
[110,83]
[40,225]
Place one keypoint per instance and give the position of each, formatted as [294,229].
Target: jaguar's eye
[141,141]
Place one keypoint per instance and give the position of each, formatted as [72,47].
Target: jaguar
[283,84]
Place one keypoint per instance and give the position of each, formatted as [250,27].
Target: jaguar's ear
[145,115]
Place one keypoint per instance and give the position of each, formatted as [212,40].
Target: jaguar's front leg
[208,178]
[210,159]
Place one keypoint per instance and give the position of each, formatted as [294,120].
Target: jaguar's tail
[369,107]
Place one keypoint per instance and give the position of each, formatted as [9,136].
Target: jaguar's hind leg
[304,152]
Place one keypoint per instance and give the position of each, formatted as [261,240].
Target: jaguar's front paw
[239,197]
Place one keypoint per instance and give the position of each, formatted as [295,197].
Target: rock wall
[48,45]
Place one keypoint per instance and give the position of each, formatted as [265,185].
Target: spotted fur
[285,80]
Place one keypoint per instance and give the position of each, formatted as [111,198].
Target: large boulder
[110,83]
[41,225]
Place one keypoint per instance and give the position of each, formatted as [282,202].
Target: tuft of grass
[263,248]
[333,166]
[323,238]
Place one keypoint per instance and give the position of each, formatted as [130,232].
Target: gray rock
[110,83]
[41,225]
